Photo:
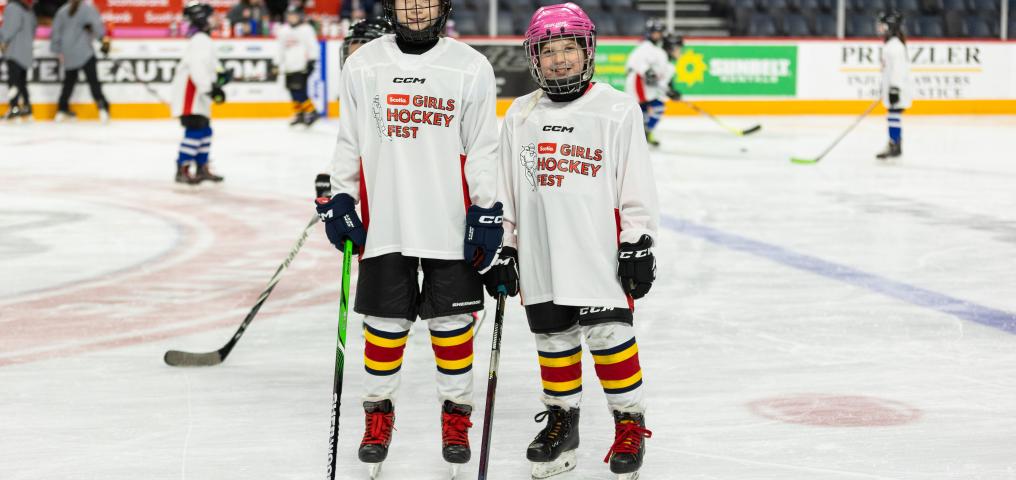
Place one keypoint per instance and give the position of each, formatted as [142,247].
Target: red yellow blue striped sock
[618,368]
[453,349]
[561,372]
[382,353]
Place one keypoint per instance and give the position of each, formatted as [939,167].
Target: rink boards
[749,77]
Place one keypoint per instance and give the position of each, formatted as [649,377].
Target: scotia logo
[398,99]
[545,148]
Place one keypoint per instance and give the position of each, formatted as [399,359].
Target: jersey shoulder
[370,53]
[462,56]
[612,98]
[522,103]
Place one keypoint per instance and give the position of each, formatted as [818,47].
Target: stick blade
[176,358]
[803,161]
[751,130]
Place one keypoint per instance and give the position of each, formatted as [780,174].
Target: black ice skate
[184,175]
[625,455]
[892,150]
[297,120]
[377,434]
[455,434]
[553,450]
[205,174]
[309,118]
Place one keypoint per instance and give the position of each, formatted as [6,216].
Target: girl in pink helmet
[580,216]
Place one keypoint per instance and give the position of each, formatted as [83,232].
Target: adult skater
[650,74]
[196,84]
[361,33]
[417,151]
[16,36]
[298,53]
[574,171]
[76,25]
[895,79]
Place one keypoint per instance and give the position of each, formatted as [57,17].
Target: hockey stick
[495,357]
[736,131]
[340,356]
[177,358]
[809,161]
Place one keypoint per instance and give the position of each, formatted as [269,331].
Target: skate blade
[564,463]
[628,476]
[374,470]
[453,470]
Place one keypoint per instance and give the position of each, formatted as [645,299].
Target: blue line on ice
[963,309]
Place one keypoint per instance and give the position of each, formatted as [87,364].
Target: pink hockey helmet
[561,22]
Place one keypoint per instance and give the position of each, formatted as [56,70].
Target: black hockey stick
[340,356]
[736,131]
[177,358]
[808,161]
[495,357]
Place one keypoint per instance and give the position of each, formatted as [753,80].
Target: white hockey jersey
[649,72]
[576,181]
[192,81]
[896,72]
[417,144]
[297,46]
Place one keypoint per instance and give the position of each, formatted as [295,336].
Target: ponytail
[74,6]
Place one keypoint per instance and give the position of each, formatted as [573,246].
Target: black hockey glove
[310,68]
[217,94]
[483,235]
[636,267]
[224,77]
[673,94]
[650,78]
[894,96]
[503,273]
[341,220]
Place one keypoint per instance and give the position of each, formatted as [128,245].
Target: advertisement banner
[511,68]
[938,70]
[744,70]
[747,70]
[134,63]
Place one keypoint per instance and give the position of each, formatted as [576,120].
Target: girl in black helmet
[895,79]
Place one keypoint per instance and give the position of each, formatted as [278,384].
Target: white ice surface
[106,265]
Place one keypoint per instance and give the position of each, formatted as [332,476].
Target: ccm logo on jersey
[546,148]
[408,80]
[557,128]
[633,254]
[589,310]
[398,99]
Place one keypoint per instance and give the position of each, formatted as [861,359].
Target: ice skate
[205,174]
[455,434]
[297,120]
[184,175]
[553,450]
[625,455]
[13,114]
[65,116]
[310,117]
[104,115]
[379,418]
[892,150]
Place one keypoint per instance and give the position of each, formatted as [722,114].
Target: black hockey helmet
[198,14]
[893,21]
[295,10]
[363,32]
[412,9]
[655,25]
[670,42]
